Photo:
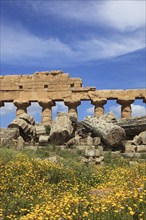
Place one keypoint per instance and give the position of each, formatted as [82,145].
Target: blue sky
[103,42]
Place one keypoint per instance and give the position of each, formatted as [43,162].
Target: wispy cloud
[123,15]
[19,45]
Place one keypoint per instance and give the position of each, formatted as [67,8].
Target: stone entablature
[48,87]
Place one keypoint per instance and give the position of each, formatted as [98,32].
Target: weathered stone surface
[98,160]
[109,117]
[26,130]
[137,140]
[129,147]
[61,129]
[141,148]
[132,126]
[110,134]
[20,143]
[89,140]
[43,140]
[140,139]
[9,133]
[96,141]
[90,151]
[28,118]
[40,130]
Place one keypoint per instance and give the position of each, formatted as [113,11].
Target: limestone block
[90,151]
[40,130]
[9,133]
[96,141]
[98,160]
[129,147]
[89,140]
[43,140]
[97,153]
[141,148]
[61,129]
[81,147]
[20,143]
[140,139]
[137,140]
[28,118]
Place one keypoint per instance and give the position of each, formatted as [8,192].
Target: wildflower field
[33,188]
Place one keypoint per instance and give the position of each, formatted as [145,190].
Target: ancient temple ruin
[48,87]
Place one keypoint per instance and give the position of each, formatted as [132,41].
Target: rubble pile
[94,136]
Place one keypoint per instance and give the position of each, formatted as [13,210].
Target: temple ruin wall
[48,87]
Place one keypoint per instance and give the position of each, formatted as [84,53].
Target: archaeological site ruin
[48,87]
[94,135]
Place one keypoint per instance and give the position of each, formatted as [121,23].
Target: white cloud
[20,46]
[122,15]
[137,110]
[90,111]
[17,44]
[8,108]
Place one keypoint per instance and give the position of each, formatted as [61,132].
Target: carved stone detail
[72,106]
[21,106]
[98,106]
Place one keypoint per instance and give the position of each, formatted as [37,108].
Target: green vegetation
[33,188]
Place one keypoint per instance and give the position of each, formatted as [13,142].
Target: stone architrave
[72,106]
[21,106]
[99,106]
[126,111]
[47,111]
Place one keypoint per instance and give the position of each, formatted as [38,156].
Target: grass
[34,188]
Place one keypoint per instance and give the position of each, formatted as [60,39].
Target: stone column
[126,111]
[72,107]
[47,111]
[98,106]
[21,106]
[1,103]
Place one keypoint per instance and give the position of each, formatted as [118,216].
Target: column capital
[21,106]
[21,103]
[99,101]
[72,102]
[46,103]
[125,101]
[98,106]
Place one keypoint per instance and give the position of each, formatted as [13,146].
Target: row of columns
[126,110]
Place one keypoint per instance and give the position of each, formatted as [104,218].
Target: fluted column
[126,111]
[1,103]
[47,111]
[21,106]
[98,106]
[72,107]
